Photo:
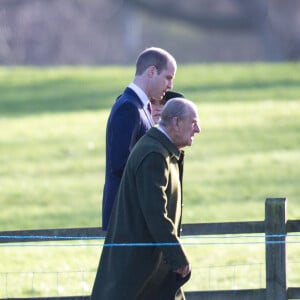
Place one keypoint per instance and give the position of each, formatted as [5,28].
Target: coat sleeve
[159,193]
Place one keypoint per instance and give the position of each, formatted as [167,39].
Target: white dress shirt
[142,95]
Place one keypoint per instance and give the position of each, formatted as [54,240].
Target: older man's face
[187,128]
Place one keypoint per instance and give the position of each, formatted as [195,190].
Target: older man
[143,258]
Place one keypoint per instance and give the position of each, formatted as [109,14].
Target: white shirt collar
[141,94]
[164,132]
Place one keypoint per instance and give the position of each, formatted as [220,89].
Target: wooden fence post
[275,228]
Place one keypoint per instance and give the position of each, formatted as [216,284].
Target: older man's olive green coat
[146,219]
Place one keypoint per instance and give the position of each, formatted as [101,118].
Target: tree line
[91,32]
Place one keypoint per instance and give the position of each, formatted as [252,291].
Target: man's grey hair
[176,107]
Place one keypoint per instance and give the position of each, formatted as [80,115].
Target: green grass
[52,158]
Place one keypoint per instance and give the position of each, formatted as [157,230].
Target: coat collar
[140,93]
[140,101]
[172,149]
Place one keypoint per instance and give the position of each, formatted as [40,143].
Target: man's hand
[184,271]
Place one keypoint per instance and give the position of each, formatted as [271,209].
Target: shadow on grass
[54,97]
[256,89]
[71,95]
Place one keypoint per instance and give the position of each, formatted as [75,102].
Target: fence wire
[205,240]
[79,282]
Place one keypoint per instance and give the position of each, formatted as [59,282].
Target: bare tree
[276,22]
[45,32]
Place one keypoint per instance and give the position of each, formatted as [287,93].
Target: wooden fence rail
[275,227]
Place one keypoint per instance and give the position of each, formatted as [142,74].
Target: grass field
[52,123]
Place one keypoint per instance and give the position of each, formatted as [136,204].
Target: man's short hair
[153,57]
[176,107]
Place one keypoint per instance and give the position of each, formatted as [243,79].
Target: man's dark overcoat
[147,219]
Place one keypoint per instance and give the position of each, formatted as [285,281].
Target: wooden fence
[275,227]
